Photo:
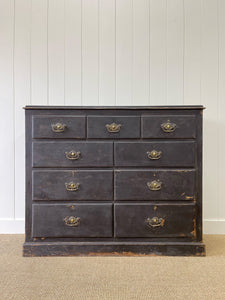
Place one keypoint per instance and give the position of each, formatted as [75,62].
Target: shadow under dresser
[113,180]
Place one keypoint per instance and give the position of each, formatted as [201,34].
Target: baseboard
[211,226]
[14,226]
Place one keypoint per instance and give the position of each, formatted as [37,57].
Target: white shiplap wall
[111,52]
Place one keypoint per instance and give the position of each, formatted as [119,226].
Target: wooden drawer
[59,127]
[154,220]
[154,184]
[72,154]
[74,220]
[168,126]
[155,154]
[73,185]
[110,127]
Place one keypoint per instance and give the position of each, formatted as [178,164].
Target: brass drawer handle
[154,154]
[113,128]
[154,185]
[72,221]
[168,126]
[71,186]
[58,127]
[72,155]
[155,222]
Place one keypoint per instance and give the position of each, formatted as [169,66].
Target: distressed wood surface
[173,154]
[53,154]
[95,220]
[51,185]
[74,127]
[175,185]
[121,173]
[131,220]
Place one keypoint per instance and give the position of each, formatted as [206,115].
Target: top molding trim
[38,107]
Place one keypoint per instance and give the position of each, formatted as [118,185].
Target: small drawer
[110,127]
[73,220]
[169,126]
[155,184]
[154,220]
[72,154]
[59,127]
[72,185]
[155,154]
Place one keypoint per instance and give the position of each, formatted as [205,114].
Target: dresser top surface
[167,107]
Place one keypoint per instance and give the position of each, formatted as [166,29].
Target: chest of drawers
[113,180]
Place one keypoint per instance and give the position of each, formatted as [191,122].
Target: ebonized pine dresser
[113,180]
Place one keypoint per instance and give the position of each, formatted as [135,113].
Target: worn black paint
[95,220]
[174,154]
[176,184]
[92,154]
[111,203]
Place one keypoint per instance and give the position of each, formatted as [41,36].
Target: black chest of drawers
[114,180]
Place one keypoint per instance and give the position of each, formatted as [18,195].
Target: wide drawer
[154,220]
[168,126]
[155,184]
[72,185]
[155,154]
[59,127]
[74,220]
[110,127]
[72,154]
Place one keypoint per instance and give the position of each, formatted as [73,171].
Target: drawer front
[150,220]
[59,127]
[72,154]
[110,127]
[170,126]
[155,185]
[155,154]
[72,185]
[74,220]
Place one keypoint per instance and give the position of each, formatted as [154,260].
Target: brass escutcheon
[58,127]
[155,222]
[113,128]
[154,154]
[168,126]
[73,155]
[72,221]
[71,186]
[154,185]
